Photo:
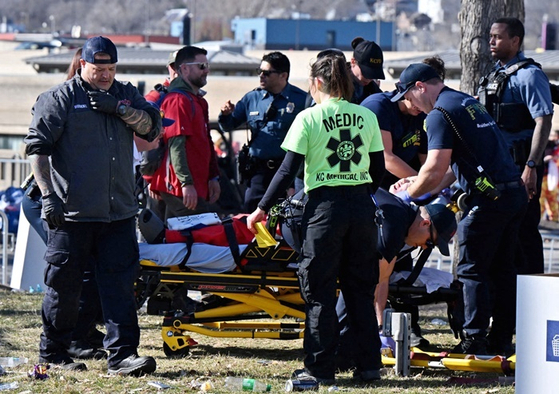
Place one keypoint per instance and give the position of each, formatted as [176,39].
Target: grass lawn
[270,361]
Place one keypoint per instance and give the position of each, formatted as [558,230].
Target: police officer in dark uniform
[461,134]
[517,94]
[268,112]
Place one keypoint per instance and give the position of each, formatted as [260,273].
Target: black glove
[102,101]
[54,210]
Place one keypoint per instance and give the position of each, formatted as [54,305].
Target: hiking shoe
[63,362]
[85,351]
[367,376]
[133,365]
[472,345]
[416,340]
[305,375]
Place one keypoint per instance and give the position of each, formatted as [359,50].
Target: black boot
[133,365]
[472,344]
[84,350]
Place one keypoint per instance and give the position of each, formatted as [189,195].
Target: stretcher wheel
[179,353]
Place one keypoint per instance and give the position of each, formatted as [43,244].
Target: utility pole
[377,13]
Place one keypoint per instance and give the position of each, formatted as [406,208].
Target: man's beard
[199,82]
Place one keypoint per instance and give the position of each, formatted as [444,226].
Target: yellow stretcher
[261,299]
[240,300]
[456,362]
[237,300]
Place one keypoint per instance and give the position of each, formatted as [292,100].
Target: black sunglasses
[267,73]
[201,65]
[403,87]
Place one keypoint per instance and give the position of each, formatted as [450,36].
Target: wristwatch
[531,164]
[121,109]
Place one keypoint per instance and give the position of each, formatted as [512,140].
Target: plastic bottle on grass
[12,361]
[233,383]
[9,386]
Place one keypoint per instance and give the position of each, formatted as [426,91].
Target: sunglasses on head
[201,65]
[266,73]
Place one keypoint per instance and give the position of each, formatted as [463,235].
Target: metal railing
[13,171]
[551,254]
[5,261]
[550,250]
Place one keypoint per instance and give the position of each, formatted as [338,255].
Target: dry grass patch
[271,361]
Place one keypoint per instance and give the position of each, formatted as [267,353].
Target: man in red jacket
[188,178]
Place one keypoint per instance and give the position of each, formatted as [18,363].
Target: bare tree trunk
[476,17]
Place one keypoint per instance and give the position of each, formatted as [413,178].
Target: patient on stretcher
[209,246]
[203,257]
[203,243]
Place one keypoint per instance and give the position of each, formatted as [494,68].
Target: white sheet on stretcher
[193,221]
[203,258]
[433,279]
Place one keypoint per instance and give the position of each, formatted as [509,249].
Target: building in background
[311,34]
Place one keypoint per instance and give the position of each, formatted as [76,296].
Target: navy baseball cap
[167,121]
[96,45]
[444,221]
[369,57]
[413,73]
[164,121]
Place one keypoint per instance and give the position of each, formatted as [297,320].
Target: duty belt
[271,164]
[509,185]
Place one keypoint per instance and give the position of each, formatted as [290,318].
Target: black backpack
[152,159]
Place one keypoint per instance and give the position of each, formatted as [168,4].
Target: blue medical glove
[405,196]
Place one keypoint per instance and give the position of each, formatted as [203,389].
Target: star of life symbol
[344,150]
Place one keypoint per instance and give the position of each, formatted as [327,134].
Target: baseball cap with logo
[445,223]
[96,45]
[416,72]
[369,58]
